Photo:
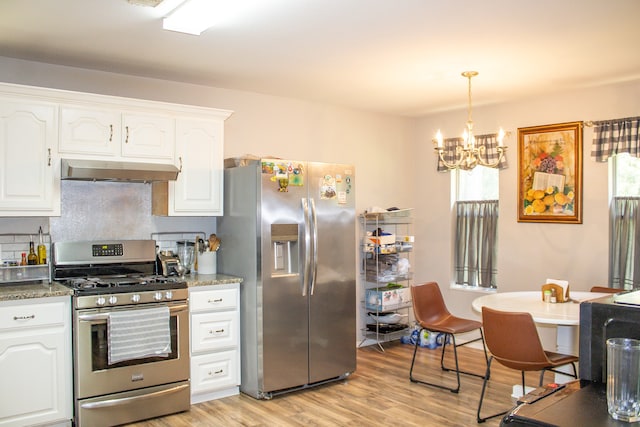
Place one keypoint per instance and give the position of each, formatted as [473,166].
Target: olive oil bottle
[42,249]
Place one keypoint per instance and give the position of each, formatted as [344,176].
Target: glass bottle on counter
[32,258]
[42,249]
[24,259]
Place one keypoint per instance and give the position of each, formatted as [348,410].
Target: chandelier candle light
[468,154]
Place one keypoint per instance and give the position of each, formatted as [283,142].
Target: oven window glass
[100,348]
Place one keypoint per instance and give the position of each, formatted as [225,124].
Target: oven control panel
[111,249]
[130,299]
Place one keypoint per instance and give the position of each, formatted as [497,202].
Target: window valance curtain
[616,136]
[489,141]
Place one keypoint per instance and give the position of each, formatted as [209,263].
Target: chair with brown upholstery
[431,314]
[512,339]
[605,290]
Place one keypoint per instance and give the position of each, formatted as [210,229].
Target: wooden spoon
[214,242]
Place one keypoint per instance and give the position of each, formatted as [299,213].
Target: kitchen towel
[135,334]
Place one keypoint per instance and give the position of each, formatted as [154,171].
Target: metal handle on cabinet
[49,157]
[110,133]
[219,331]
[126,141]
[31,316]
[219,371]
[215,301]
[180,159]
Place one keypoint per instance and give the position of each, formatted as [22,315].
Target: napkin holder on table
[562,293]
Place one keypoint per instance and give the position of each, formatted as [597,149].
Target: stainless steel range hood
[99,170]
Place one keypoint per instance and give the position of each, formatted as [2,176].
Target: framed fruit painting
[550,173]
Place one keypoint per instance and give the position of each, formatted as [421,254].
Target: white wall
[528,252]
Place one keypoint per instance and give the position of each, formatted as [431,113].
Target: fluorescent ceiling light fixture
[196,16]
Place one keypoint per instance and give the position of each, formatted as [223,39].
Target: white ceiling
[400,57]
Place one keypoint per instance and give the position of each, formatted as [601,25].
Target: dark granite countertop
[194,280]
[18,291]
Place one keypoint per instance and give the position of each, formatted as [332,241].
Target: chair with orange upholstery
[605,290]
[513,340]
[431,314]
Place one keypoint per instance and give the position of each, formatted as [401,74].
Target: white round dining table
[564,316]
[566,313]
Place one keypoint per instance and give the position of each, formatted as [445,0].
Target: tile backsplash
[106,210]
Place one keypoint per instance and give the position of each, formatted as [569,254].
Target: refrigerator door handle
[314,243]
[307,247]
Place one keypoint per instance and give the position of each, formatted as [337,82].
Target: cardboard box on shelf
[386,298]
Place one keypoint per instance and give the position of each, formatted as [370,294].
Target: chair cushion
[452,325]
[559,359]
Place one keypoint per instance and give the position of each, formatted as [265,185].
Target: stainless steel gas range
[130,332]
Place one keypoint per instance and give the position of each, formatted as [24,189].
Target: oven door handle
[104,316]
[131,399]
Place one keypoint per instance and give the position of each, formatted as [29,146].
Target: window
[476,207]
[624,252]
[627,175]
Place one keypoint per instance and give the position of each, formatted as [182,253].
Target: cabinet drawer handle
[219,331]
[215,300]
[219,371]
[33,316]
[110,133]
[126,141]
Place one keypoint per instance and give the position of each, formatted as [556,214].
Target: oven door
[93,374]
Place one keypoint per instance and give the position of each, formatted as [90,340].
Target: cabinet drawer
[23,315]
[215,299]
[213,331]
[214,371]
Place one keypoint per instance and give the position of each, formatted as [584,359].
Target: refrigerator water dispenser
[284,249]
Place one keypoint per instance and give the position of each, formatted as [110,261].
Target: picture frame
[550,173]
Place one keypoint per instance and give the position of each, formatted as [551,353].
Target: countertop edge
[44,289]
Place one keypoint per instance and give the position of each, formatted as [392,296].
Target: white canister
[207,263]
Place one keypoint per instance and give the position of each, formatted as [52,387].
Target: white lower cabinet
[35,362]
[215,341]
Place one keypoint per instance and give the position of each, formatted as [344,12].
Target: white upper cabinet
[86,130]
[198,188]
[148,137]
[29,166]
[198,191]
[38,127]
[93,132]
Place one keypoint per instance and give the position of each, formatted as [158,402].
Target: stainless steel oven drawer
[129,406]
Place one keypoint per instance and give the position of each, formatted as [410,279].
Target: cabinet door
[214,331]
[35,362]
[29,167]
[198,189]
[148,137]
[215,371]
[89,131]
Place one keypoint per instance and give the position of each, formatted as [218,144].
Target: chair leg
[480,419]
[413,360]
[573,366]
[455,353]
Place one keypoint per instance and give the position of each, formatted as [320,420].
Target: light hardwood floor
[379,393]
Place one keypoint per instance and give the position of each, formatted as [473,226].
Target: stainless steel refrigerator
[289,231]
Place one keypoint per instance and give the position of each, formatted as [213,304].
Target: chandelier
[469,154]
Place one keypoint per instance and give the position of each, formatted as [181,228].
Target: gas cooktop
[120,284]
